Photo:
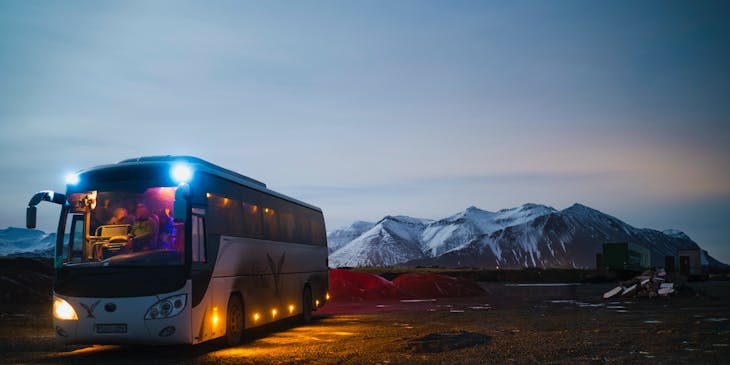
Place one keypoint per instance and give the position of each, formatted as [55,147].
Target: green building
[625,256]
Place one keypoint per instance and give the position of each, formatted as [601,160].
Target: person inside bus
[102,214]
[121,217]
[165,226]
[144,229]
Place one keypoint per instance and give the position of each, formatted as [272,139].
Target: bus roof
[201,165]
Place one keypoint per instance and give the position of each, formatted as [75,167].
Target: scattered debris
[650,284]
[613,292]
[629,291]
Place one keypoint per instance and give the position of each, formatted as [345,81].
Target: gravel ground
[514,324]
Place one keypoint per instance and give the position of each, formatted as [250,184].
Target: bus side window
[318,230]
[251,219]
[287,225]
[198,238]
[304,230]
[271,224]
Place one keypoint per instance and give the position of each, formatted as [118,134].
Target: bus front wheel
[307,305]
[234,321]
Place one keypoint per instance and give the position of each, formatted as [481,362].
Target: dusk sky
[384,107]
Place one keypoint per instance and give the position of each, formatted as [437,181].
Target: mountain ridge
[531,235]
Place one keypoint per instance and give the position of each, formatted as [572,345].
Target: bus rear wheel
[234,321]
[307,305]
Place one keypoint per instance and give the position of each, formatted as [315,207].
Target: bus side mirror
[179,210]
[30,217]
[180,207]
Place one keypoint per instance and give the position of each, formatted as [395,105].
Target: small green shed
[625,256]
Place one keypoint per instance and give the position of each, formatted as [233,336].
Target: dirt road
[511,324]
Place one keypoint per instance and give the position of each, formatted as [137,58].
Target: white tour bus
[176,250]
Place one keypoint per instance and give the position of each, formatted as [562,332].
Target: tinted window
[225,215]
[251,219]
[242,211]
[318,231]
[287,224]
[303,226]
[271,219]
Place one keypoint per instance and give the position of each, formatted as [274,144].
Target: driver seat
[113,238]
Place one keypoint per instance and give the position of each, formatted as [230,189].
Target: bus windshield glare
[123,228]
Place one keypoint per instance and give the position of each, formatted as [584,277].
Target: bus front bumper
[121,321]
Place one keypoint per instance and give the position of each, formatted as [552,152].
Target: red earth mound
[348,285]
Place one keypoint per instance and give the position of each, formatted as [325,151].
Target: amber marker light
[214,317]
[327,296]
[256,317]
[273,313]
[291,309]
[316,303]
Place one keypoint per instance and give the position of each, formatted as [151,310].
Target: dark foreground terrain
[511,323]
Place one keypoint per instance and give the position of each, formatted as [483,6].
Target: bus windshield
[123,228]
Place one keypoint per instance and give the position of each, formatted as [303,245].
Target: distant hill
[532,235]
[26,242]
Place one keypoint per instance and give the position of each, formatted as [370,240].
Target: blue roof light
[182,173]
[72,179]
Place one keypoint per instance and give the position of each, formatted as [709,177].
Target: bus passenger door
[201,268]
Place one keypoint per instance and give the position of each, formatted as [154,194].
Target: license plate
[111,328]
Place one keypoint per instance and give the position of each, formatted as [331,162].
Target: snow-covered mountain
[392,240]
[342,236]
[26,242]
[532,235]
[455,232]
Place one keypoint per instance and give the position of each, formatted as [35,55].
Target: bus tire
[307,305]
[234,321]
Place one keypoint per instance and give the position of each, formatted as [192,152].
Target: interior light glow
[273,312]
[256,317]
[72,179]
[316,303]
[327,296]
[63,310]
[291,309]
[182,173]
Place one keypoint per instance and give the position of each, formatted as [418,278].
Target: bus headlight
[168,307]
[63,310]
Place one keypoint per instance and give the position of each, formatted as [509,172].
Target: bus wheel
[307,305]
[234,321]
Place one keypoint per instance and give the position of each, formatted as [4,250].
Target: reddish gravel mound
[348,285]
[436,286]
